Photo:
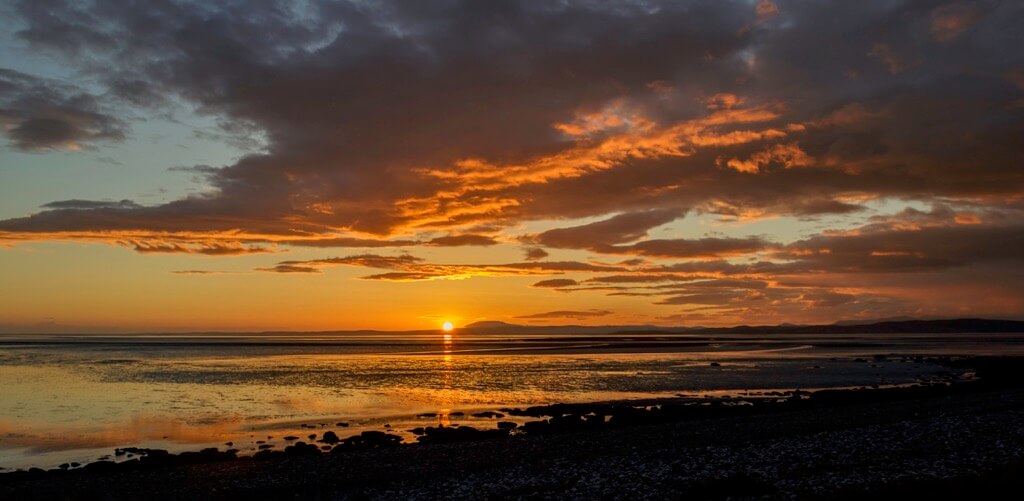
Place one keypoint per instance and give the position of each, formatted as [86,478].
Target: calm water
[76,398]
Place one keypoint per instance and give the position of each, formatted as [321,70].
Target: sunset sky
[175,166]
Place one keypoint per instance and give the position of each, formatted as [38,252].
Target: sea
[77,398]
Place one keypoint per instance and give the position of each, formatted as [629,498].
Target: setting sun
[447,326]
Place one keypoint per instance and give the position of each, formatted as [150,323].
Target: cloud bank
[453,124]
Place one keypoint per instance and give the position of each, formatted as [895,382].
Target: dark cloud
[906,249]
[290,268]
[618,229]
[535,253]
[205,248]
[410,268]
[695,248]
[40,115]
[385,124]
[556,283]
[91,204]
[602,237]
[461,240]
[562,314]
[592,109]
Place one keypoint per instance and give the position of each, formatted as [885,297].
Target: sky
[328,165]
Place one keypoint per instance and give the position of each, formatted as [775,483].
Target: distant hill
[496,327]
[877,320]
[961,325]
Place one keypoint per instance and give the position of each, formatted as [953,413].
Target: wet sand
[966,439]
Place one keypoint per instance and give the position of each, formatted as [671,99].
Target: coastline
[960,431]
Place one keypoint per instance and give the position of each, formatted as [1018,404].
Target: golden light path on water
[77,401]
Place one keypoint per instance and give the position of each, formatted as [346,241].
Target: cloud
[691,248]
[535,253]
[461,240]
[411,268]
[602,237]
[205,248]
[906,246]
[618,229]
[951,20]
[786,155]
[566,314]
[290,268]
[39,115]
[383,125]
[766,8]
[91,204]
[330,169]
[556,283]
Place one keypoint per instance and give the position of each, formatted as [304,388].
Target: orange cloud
[950,21]
[787,155]
[410,268]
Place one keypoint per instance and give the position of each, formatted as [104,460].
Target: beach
[78,399]
[918,440]
[915,441]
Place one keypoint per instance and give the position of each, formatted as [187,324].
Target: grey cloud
[618,229]
[609,235]
[40,115]
[581,314]
[91,204]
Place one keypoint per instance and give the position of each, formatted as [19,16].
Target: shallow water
[76,398]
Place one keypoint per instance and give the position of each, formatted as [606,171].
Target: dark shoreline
[582,436]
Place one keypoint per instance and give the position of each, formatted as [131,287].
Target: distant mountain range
[889,326]
[496,328]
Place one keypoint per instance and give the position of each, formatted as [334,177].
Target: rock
[342,424]
[312,436]
[330,438]
[535,426]
[210,455]
[507,425]
[99,467]
[266,454]
[301,449]
[715,364]
[368,440]
[489,414]
[291,438]
[443,435]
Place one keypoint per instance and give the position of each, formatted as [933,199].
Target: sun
[447,326]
